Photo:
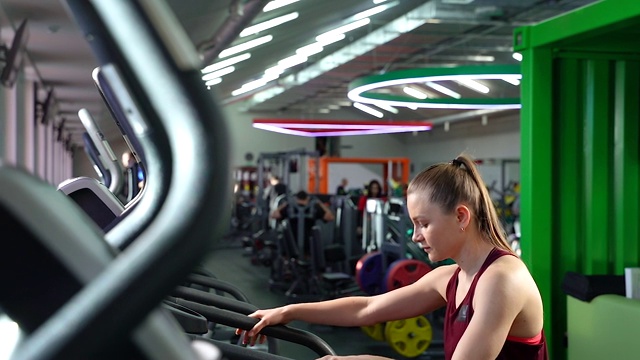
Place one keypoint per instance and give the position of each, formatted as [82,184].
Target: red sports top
[457,320]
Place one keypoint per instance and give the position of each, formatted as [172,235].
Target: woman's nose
[415,237]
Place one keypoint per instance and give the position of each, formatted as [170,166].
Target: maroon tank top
[457,320]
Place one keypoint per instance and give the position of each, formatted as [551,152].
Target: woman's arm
[421,297]
[277,213]
[327,214]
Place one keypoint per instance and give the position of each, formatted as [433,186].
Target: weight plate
[376,332]
[409,337]
[404,272]
[369,273]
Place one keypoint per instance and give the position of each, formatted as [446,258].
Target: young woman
[374,191]
[493,306]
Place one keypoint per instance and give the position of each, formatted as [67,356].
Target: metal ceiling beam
[241,16]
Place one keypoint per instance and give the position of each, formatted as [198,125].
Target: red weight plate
[404,272]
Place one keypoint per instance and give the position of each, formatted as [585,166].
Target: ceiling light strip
[443,89]
[414,92]
[368,110]
[219,73]
[212,82]
[473,85]
[224,63]
[254,29]
[403,24]
[343,29]
[386,107]
[275,4]
[245,46]
[374,10]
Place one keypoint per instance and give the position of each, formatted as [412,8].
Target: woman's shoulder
[507,271]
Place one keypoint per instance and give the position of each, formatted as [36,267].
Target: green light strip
[362,90]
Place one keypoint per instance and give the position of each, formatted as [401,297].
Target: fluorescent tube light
[514,80]
[368,110]
[284,64]
[331,39]
[310,49]
[480,58]
[343,29]
[245,46]
[474,85]
[517,56]
[224,63]
[252,85]
[414,92]
[219,73]
[254,29]
[212,82]
[374,10]
[274,70]
[386,107]
[275,4]
[292,61]
[443,89]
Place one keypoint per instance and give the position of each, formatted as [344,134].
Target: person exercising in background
[493,306]
[374,191]
[319,211]
[275,189]
[342,188]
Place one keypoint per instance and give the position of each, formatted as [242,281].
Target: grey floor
[230,262]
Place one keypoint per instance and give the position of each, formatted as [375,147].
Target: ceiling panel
[449,34]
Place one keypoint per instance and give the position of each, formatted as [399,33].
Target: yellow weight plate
[410,337]
[376,332]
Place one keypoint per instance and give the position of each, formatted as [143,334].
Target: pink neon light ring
[315,128]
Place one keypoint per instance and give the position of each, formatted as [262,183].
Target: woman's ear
[463,215]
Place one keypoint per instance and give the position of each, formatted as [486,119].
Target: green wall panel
[535,172]
[626,165]
[580,118]
[597,166]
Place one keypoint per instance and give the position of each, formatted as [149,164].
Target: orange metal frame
[323,176]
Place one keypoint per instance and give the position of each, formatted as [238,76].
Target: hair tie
[457,163]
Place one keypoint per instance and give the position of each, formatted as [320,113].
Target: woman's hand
[328,216]
[267,317]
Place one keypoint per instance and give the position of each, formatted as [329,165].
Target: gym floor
[230,262]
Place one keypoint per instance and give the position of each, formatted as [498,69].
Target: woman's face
[433,230]
[374,189]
